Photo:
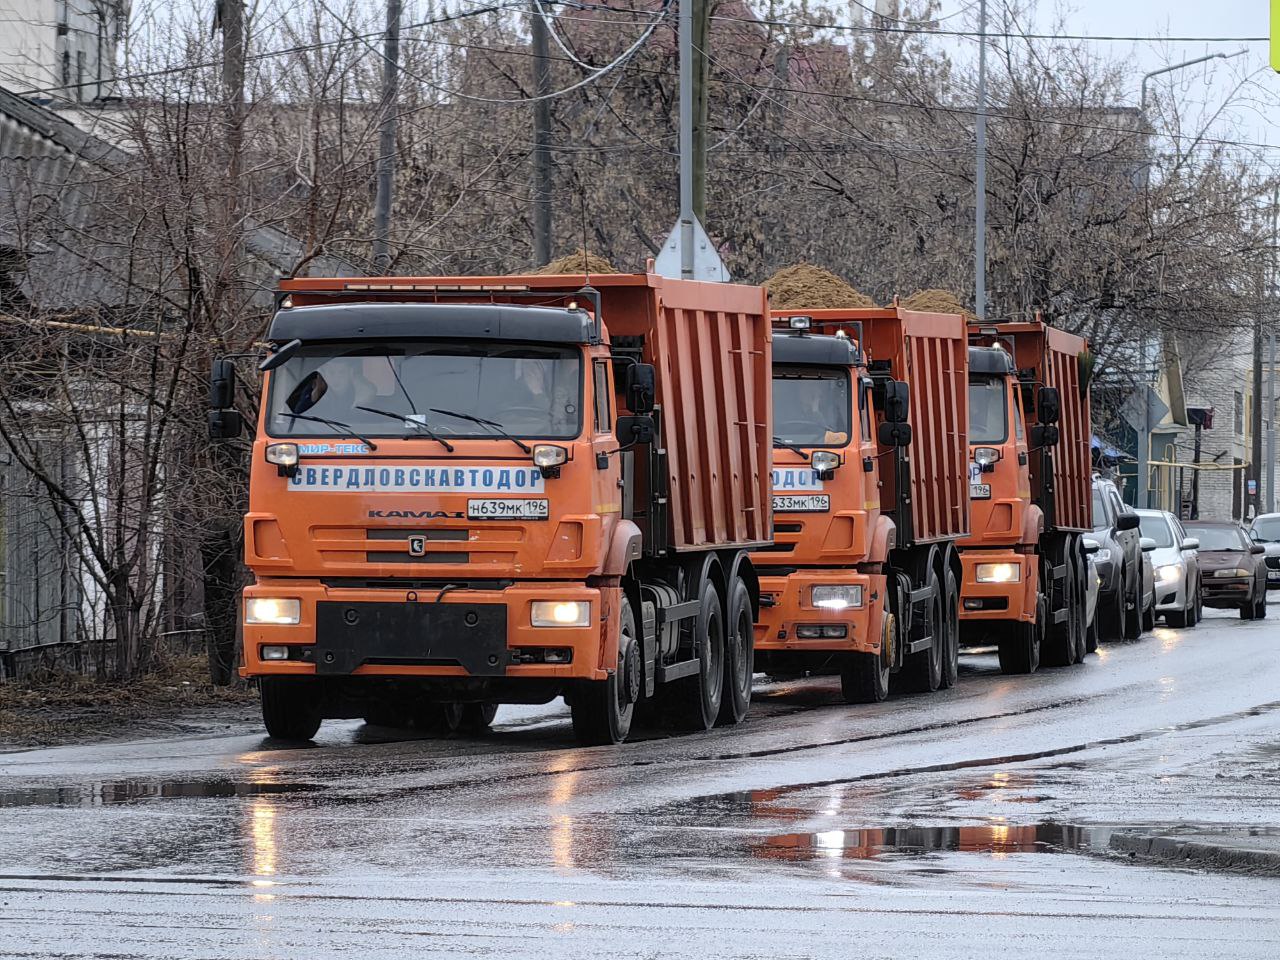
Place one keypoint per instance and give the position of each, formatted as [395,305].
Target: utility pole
[1271,416]
[387,139]
[980,175]
[701,10]
[542,169]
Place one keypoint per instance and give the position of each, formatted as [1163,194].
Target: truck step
[920,643]
[677,671]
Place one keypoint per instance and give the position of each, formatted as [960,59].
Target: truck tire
[922,672]
[864,678]
[602,710]
[1020,646]
[438,718]
[1057,648]
[290,709]
[951,621]
[739,659]
[696,699]
[478,717]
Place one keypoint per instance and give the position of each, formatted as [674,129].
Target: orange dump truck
[1030,494]
[468,491]
[869,497]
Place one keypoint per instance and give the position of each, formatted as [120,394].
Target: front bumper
[326,641]
[1225,593]
[1013,600]
[1273,573]
[1171,595]
[786,605]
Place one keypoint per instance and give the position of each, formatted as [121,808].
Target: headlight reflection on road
[563,790]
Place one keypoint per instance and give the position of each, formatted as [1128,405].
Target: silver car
[1177,571]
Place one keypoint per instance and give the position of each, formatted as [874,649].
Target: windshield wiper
[335,425]
[494,426]
[408,418]
[779,442]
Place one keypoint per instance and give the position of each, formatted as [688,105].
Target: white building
[64,48]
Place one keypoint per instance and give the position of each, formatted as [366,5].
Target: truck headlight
[1170,572]
[837,596]
[272,610]
[824,461]
[999,573]
[549,455]
[283,454]
[985,456]
[560,613]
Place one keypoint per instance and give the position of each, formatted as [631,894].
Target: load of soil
[58,707]
[937,300]
[580,261]
[807,287]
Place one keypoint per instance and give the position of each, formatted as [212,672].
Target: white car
[1177,570]
[1265,530]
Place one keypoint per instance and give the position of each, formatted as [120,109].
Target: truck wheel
[478,717]
[1078,610]
[290,710]
[951,620]
[602,710]
[1133,617]
[922,672]
[696,700]
[1058,640]
[739,660]
[864,677]
[438,718]
[1020,647]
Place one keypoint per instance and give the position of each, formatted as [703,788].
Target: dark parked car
[1232,572]
[1123,593]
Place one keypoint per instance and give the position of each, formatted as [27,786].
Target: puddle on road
[130,791]
[917,841]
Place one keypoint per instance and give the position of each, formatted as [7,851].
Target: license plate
[805,503]
[979,491]
[507,510]
[1273,574]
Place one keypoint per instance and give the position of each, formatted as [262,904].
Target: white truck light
[831,596]
[824,461]
[985,456]
[999,573]
[274,651]
[272,610]
[283,454]
[560,613]
[799,323]
[549,455]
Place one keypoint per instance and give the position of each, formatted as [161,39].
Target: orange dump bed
[1051,357]
[711,349]
[930,353]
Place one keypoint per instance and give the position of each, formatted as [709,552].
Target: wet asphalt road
[970,823]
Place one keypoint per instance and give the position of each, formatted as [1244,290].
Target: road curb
[1218,856]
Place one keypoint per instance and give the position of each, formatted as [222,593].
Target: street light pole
[980,175]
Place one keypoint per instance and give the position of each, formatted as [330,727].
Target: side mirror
[894,434]
[897,402]
[1044,436]
[1257,549]
[641,387]
[225,424]
[1127,521]
[280,356]
[633,430]
[1147,544]
[1048,406]
[1090,546]
[222,384]
[307,393]
[1190,543]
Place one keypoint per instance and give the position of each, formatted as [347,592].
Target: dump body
[416,529]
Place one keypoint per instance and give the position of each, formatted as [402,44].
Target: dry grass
[935,300]
[60,707]
[806,287]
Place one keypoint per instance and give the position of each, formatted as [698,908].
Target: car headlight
[1233,572]
[985,456]
[272,610]
[824,460]
[283,454]
[837,596]
[999,573]
[560,613]
[1170,572]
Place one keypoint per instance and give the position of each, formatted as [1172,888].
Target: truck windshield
[526,390]
[988,410]
[811,406]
